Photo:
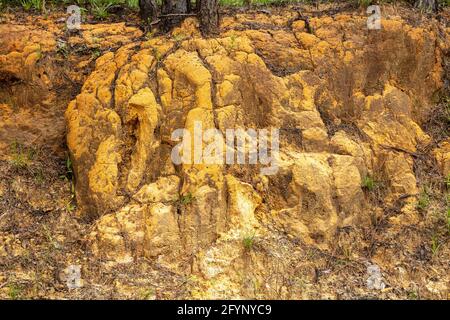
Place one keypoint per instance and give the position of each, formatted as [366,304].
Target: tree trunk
[427,5]
[148,10]
[208,14]
[173,12]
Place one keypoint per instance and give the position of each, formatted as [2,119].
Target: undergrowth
[101,8]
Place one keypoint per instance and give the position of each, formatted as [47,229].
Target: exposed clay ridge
[120,125]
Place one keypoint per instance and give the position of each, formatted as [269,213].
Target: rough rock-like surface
[349,103]
[41,70]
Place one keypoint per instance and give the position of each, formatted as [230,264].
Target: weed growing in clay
[368,183]
[423,201]
[435,245]
[186,199]
[21,157]
[248,242]
[14,291]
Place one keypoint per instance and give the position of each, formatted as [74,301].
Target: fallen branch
[413,154]
[177,15]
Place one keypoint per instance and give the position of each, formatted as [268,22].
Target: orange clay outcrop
[38,78]
[348,101]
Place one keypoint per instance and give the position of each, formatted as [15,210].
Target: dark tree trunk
[173,12]
[148,10]
[208,14]
[427,5]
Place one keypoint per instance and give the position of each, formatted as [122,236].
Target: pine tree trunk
[208,13]
[148,10]
[427,5]
[172,12]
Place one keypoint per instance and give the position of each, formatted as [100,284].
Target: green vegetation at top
[101,9]
[363,3]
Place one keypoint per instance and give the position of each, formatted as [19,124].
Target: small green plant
[19,161]
[69,169]
[32,4]
[62,49]
[21,157]
[447,181]
[368,183]
[70,206]
[347,252]
[68,175]
[233,38]
[100,9]
[148,294]
[52,242]
[39,176]
[26,4]
[423,201]
[186,199]
[248,242]
[364,3]
[133,4]
[39,53]
[413,295]
[179,37]
[435,245]
[14,291]
[149,35]
[157,54]
[96,53]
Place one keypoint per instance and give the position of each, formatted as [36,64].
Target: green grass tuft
[21,156]
[435,245]
[423,201]
[186,199]
[368,183]
[14,291]
[100,9]
[248,242]
[32,5]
